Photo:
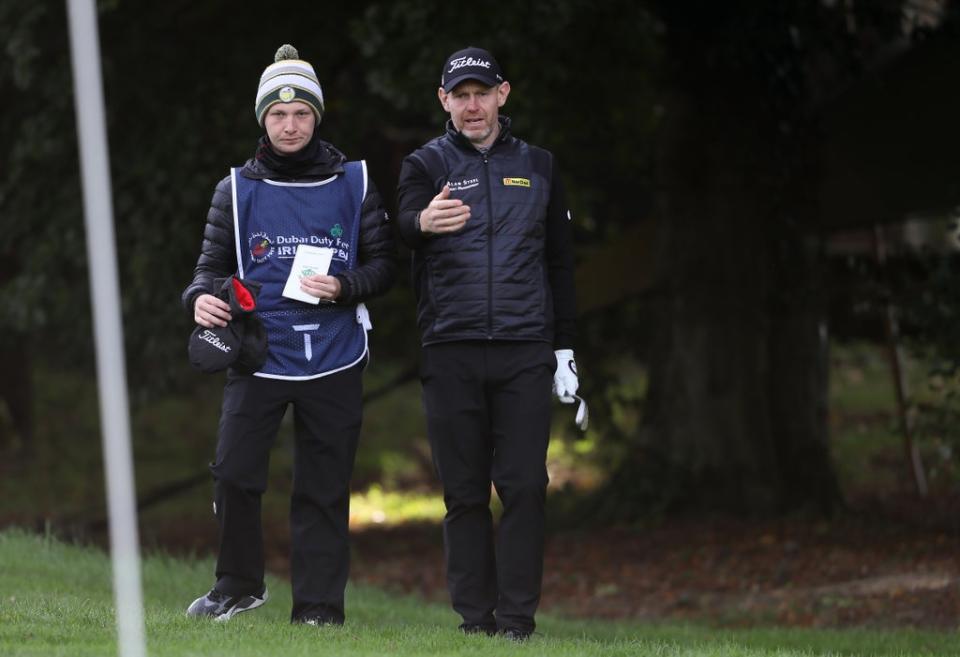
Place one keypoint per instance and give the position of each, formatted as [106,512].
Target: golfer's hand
[209,311]
[444,214]
[325,288]
[565,380]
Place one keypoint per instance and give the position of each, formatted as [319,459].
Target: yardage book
[308,261]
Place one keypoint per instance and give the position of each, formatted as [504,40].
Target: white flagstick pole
[111,372]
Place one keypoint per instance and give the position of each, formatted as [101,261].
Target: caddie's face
[289,126]
[474,109]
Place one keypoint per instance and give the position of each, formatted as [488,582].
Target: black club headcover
[242,343]
[213,349]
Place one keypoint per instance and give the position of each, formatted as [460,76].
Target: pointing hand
[444,214]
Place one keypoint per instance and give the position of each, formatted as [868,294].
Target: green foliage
[56,600]
[377,506]
[614,378]
[863,429]
[867,439]
[921,292]
[582,77]
[930,305]
[41,243]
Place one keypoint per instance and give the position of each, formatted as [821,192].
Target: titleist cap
[470,64]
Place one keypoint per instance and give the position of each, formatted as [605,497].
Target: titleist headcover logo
[214,339]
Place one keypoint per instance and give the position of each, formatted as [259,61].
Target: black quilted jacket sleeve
[217,254]
[377,255]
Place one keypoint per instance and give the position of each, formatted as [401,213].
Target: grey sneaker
[222,607]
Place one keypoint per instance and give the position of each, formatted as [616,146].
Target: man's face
[289,126]
[474,108]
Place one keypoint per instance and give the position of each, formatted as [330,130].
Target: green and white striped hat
[287,80]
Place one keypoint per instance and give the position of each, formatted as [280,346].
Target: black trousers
[327,414]
[488,420]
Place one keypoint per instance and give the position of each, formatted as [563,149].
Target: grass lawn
[55,599]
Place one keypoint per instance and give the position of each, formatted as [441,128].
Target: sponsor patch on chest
[516,182]
[460,185]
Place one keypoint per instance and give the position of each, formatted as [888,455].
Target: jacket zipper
[486,171]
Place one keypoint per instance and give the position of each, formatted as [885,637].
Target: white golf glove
[565,382]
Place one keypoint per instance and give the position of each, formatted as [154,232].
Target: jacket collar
[328,161]
[457,137]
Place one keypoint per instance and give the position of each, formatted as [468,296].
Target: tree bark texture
[736,410]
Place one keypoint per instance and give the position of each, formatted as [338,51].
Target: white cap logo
[460,62]
[287,94]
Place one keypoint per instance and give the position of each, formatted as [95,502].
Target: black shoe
[515,634]
[489,629]
[223,607]
[318,620]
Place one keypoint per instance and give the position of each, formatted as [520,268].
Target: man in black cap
[485,216]
[298,197]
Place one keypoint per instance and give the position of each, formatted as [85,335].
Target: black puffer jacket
[508,274]
[377,254]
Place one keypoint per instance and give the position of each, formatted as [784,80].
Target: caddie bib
[271,218]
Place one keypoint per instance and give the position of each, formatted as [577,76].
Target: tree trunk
[736,411]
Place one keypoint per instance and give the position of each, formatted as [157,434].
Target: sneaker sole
[233,611]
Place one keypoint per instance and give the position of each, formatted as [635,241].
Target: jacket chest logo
[460,185]
[516,182]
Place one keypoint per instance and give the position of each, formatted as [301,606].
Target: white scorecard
[308,261]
